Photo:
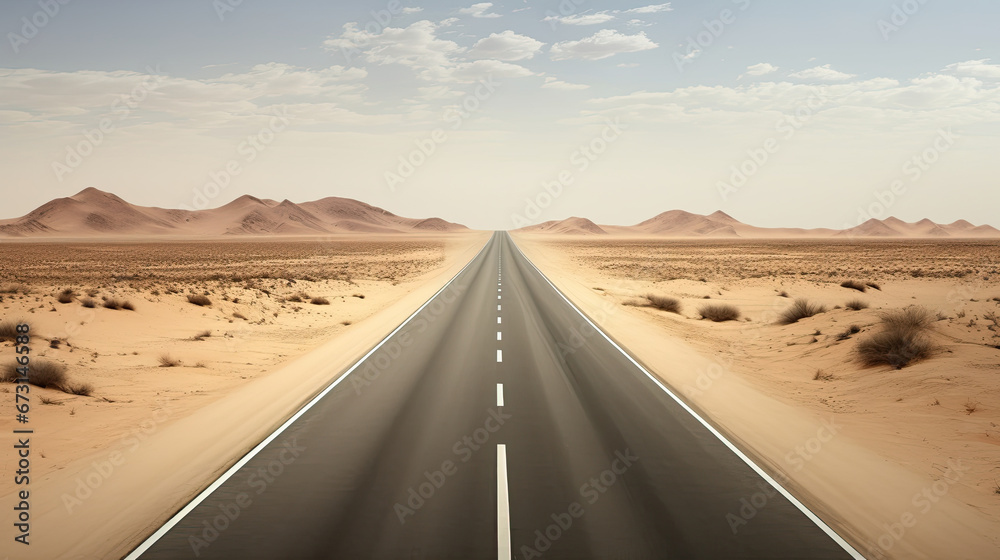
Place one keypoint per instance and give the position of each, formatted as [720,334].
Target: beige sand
[898,433]
[172,430]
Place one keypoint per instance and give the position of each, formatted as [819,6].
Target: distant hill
[93,212]
[681,224]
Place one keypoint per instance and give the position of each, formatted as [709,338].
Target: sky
[500,114]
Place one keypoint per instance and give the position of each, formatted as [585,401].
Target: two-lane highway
[483,428]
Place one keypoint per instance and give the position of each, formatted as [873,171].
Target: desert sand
[905,463]
[178,391]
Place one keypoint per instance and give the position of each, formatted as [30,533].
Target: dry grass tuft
[82,389]
[66,296]
[202,335]
[719,312]
[856,305]
[799,310]
[319,301]
[167,361]
[901,341]
[854,285]
[88,303]
[664,303]
[8,330]
[40,373]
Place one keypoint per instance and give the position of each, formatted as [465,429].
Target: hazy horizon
[824,106]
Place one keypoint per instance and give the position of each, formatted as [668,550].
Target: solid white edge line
[166,527]
[499,394]
[808,513]
[503,505]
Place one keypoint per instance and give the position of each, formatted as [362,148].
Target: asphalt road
[495,423]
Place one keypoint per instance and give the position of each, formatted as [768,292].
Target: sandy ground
[107,468]
[905,463]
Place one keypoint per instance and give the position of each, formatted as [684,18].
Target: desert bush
[799,310]
[82,389]
[41,373]
[856,305]
[294,298]
[65,296]
[89,303]
[854,285]
[167,361]
[664,303]
[901,341]
[127,305]
[239,315]
[359,296]
[202,335]
[112,303]
[8,330]
[719,312]
[853,329]
[319,301]
[199,300]
[873,285]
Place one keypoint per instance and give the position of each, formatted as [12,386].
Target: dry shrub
[82,389]
[88,303]
[127,305]
[901,341]
[854,285]
[167,361]
[856,305]
[40,373]
[199,300]
[65,296]
[873,285]
[664,303]
[8,330]
[799,310]
[319,301]
[719,312]
[202,335]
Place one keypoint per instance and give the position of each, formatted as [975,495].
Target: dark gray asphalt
[399,460]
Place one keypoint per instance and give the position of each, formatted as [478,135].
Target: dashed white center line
[498,320]
[503,505]
[499,335]
[499,356]
[498,307]
[499,394]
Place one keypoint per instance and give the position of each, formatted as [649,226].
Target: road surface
[495,423]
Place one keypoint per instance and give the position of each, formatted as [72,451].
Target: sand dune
[93,212]
[681,224]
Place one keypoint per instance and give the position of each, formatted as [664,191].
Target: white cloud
[761,69]
[651,9]
[628,65]
[479,69]
[506,46]
[480,10]
[582,19]
[603,44]
[412,10]
[822,74]
[554,83]
[976,68]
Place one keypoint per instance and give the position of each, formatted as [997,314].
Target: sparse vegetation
[784,294]
[719,312]
[359,296]
[167,361]
[971,406]
[41,373]
[852,330]
[874,286]
[799,310]
[88,303]
[199,300]
[664,303]
[822,376]
[239,315]
[202,335]
[856,305]
[319,301]
[8,329]
[901,341]
[82,389]
[66,296]
[854,285]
